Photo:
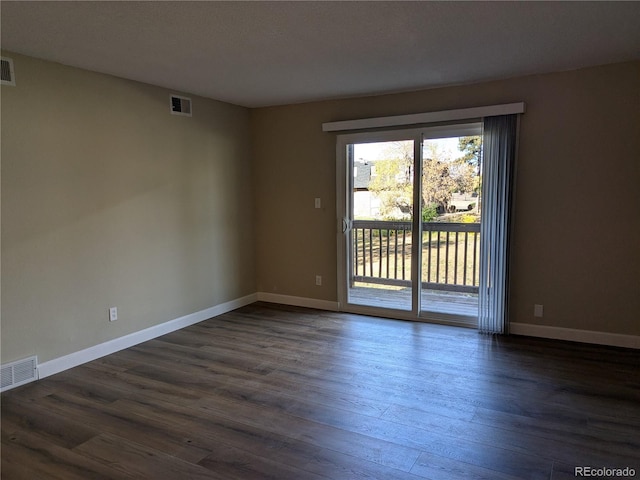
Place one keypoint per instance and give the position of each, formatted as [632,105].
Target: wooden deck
[464,304]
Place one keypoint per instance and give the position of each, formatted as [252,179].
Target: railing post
[455,262]
[475,255]
[395,254]
[464,268]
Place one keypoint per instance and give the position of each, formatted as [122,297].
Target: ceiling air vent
[180,105]
[8,77]
[18,373]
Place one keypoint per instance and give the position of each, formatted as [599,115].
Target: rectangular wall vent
[18,373]
[180,105]
[8,76]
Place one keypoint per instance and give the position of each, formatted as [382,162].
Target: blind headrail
[423,118]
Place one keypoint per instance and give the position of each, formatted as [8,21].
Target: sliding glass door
[381,214]
[410,218]
[451,215]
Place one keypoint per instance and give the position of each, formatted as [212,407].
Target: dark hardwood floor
[274,392]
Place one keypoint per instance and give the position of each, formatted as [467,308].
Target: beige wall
[577,233]
[108,200]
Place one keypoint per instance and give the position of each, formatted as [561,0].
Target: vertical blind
[499,149]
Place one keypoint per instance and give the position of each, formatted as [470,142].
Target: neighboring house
[365,203]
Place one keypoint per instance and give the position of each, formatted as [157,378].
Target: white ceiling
[270,53]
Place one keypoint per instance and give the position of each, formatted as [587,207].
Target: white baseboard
[584,336]
[60,364]
[542,331]
[298,301]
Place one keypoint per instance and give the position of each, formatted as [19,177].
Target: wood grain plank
[140,461]
[55,428]
[27,456]
[236,464]
[444,468]
[117,421]
[368,458]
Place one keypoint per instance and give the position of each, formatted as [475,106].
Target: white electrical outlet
[538,310]
[318,280]
[113,314]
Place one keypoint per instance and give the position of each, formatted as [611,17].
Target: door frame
[344,209]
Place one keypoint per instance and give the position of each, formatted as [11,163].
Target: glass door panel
[451,212]
[380,203]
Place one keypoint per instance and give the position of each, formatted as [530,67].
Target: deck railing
[450,254]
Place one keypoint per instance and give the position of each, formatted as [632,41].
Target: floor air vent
[18,373]
[180,105]
[8,77]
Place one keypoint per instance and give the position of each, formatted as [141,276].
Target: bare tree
[441,177]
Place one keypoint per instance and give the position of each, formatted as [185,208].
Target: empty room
[320,240]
